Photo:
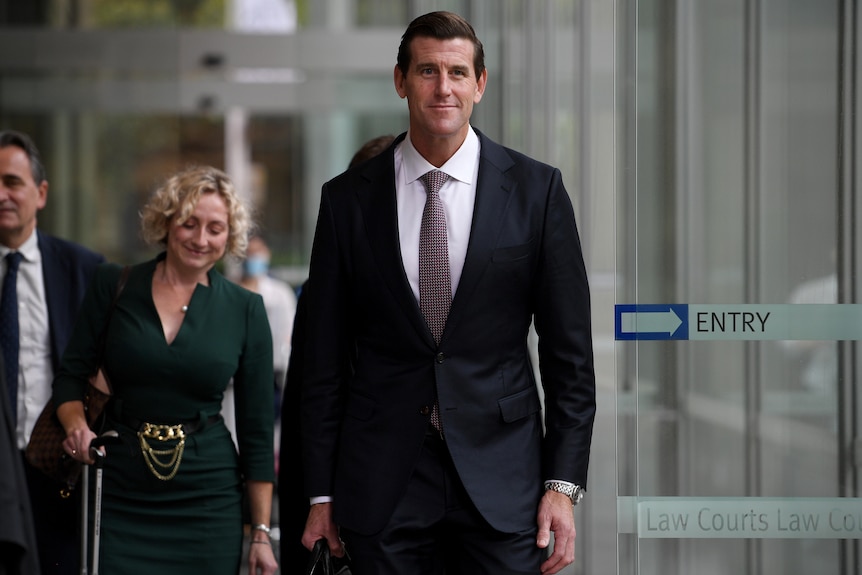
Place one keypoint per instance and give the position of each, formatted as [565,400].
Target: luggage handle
[107,438]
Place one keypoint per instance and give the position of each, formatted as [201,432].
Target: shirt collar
[29,249]
[461,166]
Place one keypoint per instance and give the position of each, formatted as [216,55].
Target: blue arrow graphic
[651,321]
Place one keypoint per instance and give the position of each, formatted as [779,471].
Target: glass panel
[736,194]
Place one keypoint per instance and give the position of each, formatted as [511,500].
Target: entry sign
[738,322]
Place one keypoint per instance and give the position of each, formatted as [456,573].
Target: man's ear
[481,82]
[398,77]
[43,195]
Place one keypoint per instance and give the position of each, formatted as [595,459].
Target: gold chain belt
[153,457]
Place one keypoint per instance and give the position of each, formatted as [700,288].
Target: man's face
[20,197]
[441,88]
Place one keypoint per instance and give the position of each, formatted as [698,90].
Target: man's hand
[320,526]
[556,514]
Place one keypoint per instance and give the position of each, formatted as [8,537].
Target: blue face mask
[255,266]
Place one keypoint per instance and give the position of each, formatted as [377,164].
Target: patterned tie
[435,281]
[9,328]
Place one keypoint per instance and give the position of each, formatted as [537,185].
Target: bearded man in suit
[425,447]
[51,276]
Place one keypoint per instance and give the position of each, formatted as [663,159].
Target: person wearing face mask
[279,301]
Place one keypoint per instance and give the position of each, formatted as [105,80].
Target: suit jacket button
[439,358]
[425,410]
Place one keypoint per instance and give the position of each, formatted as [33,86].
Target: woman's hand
[77,445]
[78,433]
[261,559]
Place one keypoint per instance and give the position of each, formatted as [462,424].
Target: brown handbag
[45,449]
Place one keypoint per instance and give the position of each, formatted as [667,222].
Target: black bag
[322,562]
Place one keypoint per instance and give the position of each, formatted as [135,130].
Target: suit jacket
[372,366]
[67,269]
[292,502]
[18,553]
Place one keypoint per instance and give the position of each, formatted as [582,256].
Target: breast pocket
[512,254]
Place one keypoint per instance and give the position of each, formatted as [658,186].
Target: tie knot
[434,180]
[12,261]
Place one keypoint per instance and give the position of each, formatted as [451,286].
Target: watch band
[573,492]
[262,527]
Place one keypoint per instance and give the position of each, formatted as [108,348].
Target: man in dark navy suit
[51,277]
[426,446]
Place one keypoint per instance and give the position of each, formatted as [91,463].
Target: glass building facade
[710,148]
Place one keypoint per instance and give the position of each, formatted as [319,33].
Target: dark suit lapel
[493,190]
[56,286]
[376,196]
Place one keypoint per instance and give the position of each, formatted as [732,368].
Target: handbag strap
[103,340]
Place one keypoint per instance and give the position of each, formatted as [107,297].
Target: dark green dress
[191,523]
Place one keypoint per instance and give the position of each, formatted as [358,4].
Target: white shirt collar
[461,166]
[29,249]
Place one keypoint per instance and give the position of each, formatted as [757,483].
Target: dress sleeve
[254,387]
[83,353]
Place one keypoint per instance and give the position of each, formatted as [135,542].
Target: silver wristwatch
[573,492]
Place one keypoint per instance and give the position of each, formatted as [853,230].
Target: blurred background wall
[709,148]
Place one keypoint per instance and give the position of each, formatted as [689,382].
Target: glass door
[735,319]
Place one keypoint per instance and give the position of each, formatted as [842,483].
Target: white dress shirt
[35,372]
[458,196]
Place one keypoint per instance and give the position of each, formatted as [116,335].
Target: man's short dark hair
[23,141]
[442,26]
